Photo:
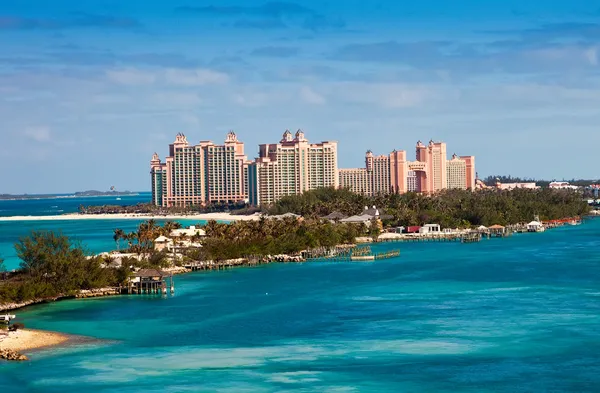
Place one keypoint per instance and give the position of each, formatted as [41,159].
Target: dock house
[535,226]
[430,229]
[497,230]
[150,281]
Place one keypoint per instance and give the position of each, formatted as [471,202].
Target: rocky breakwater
[9,354]
[98,292]
[282,258]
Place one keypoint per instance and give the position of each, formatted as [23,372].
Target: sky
[90,89]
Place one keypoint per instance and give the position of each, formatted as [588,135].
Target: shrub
[16,326]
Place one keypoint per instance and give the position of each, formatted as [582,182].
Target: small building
[429,229]
[413,229]
[535,226]
[162,242]
[189,232]
[362,219]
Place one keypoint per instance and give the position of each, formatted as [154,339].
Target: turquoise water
[96,235]
[513,315]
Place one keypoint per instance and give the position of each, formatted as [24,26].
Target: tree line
[449,208]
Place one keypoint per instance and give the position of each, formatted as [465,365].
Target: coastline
[134,216]
[29,339]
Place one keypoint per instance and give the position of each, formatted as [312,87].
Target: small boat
[7,318]
[118,199]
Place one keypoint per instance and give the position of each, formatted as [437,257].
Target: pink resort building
[429,173]
[290,167]
[198,174]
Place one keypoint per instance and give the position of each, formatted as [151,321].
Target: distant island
[89,193]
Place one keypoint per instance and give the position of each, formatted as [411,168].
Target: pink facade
[194,175]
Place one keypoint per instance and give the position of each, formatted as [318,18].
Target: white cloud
[592,56]
[131,76]
[310,96]
[196,77]
[38,134]
[170,76]
[384,95]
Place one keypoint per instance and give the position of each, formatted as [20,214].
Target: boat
[118,199]
[6,318]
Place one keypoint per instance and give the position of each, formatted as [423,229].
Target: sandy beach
[75,216]
[27,339]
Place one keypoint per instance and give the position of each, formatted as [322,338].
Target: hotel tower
[195,175]
[429,173]
[291,167]
[198,174]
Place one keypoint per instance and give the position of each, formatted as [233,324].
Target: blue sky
[89,89]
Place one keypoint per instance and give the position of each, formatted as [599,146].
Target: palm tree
[118,235]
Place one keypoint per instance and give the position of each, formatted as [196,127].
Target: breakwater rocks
[15,306]
[9,354]
[85,293]
[282,258]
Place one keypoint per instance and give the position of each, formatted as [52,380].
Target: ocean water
[64,203]
[95,235]
[505,315]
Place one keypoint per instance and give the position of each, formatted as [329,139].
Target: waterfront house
[497,230]
[148,281]
[535,226]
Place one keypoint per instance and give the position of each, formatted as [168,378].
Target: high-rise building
[429,173]
[357,180]
[224,169]
[194,175]
[373,179]
[291,167]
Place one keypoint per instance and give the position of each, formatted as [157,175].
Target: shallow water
[512,315]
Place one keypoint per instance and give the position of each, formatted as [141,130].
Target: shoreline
[32,339]
[134,216]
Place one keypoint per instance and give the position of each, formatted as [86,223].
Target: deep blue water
[504,315]
[64,204]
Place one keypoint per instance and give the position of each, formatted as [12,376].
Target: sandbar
[27,339]
[133,216]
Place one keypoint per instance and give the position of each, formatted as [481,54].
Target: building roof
[373,211]
[282,216]
[335,216]
[361,218]
[191,231]
[496,226]
[534,224]
[149,273]
[162,239]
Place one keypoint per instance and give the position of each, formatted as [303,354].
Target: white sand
[75,216]
[25,339]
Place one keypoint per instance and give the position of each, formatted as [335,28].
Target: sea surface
[505,315]
[95,235]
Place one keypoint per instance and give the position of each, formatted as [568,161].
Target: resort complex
[208,173]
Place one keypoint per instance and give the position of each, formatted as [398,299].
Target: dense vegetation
[450,208]
[272,236]
[149,208]
[51,266]
[491,180]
